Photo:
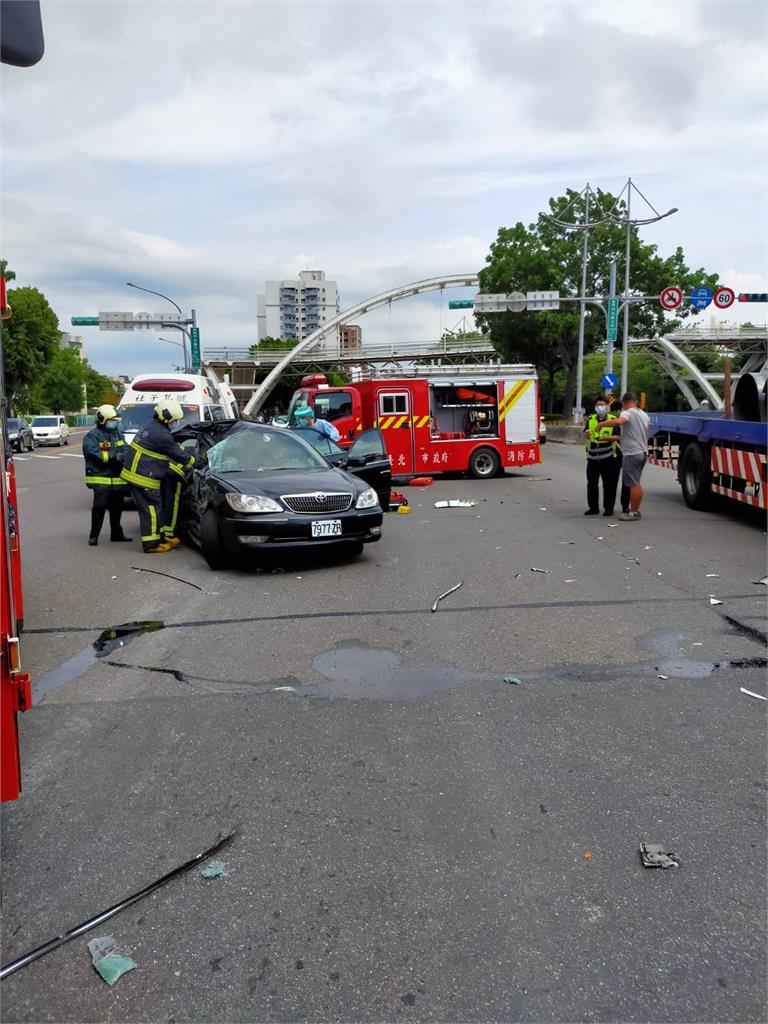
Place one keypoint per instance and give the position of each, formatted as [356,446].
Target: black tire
[695,476]
[67,440]
[483,464]
[61,440]
[353,549]
[211,543]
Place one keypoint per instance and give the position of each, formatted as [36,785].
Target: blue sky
[202,148]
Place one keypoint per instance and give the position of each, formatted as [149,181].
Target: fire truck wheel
[213,549]
[695,476]
[483,463]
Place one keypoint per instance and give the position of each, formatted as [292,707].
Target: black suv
[20,434]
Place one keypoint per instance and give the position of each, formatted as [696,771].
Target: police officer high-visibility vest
[597,448]
[103,452]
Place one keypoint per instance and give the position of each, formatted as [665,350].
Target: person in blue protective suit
[103,449]
[151,457]
[305,417]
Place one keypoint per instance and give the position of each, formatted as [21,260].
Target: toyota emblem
[321,497]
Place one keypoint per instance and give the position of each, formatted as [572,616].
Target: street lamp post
[167,298]
[178,344]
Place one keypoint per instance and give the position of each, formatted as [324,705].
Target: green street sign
[194,339]
[461,304]
[613,319]
[85,321]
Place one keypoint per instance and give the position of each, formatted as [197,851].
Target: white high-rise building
[294,309]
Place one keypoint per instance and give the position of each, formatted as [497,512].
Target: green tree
[545,256]
[273,344]
[30,338]
[61,385]
[99,389]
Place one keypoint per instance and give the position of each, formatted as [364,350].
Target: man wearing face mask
[603,460]
[103,449]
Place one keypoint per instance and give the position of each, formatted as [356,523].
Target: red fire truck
[476,419]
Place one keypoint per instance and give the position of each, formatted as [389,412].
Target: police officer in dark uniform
[103,449]
[147,463]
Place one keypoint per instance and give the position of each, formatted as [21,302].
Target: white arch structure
[405,291]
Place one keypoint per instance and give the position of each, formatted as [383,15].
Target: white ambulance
[202,399]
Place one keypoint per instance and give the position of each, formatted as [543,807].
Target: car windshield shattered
[260,451]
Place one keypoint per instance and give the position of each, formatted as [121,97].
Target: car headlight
[368,499]
[13,437]
[252,503]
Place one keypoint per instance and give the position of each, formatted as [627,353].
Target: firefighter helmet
[106,412]
[169,411]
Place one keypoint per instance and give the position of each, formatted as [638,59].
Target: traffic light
[753,296]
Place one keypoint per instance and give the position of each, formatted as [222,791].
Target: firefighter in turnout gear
[150,458]
[603,460]
[103,449]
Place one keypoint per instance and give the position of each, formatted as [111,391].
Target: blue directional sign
[609,381]
[701,298]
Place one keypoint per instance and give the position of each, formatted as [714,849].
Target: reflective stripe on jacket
[597,448]
[152,454]
[103,453]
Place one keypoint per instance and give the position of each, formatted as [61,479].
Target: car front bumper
[290,531]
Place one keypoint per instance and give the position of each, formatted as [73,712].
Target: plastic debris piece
[214,869]
[512,680]
[598,538]
[697,643]
[713,600]
[764,581]
[749,693]
[542,510]
[284,689]
[587,855]
[648,547]
[534,569]
[713,576]
[447,592]
[35,954]
[421,481]
[404,510]
[455,503]
[566,542]
[612,526]
[663,677]
[211,593]
[569,581]
[653,855]
[110,964]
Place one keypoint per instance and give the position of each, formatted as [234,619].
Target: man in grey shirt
[634,451]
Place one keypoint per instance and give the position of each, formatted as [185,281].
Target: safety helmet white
[106,412]
[169,411]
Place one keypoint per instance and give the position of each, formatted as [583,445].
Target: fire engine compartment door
[394,409]
[518,411]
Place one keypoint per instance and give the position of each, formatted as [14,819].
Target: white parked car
[50,430]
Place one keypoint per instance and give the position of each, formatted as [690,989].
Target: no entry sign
[724,297]
[671,297]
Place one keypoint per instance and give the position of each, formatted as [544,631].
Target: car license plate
[327,528]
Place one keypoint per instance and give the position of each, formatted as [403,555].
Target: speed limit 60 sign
[724,297]
[671,297]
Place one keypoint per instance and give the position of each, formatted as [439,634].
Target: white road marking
[47,456]
[21,458]
[67,455]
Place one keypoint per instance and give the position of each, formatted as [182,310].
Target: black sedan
[20,434]
[265,489]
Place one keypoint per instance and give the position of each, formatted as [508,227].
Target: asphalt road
[417,839]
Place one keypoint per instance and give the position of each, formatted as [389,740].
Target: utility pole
[578,412]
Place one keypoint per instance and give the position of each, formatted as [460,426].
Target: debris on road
[214,869]
[396,500]
[447,592]
[566,542]
[587,855]
[534,569]
[663,677]
[764,581]
[35,954]
[403,510]
[713,600]
[512,680]
[156,572]
[713,576]
[455,503]
[110,964]
[749,693]
[542,510]
[653,855]
[420,481]
[569,581]
[284,689]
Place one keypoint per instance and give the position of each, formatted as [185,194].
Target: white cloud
[201,148]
